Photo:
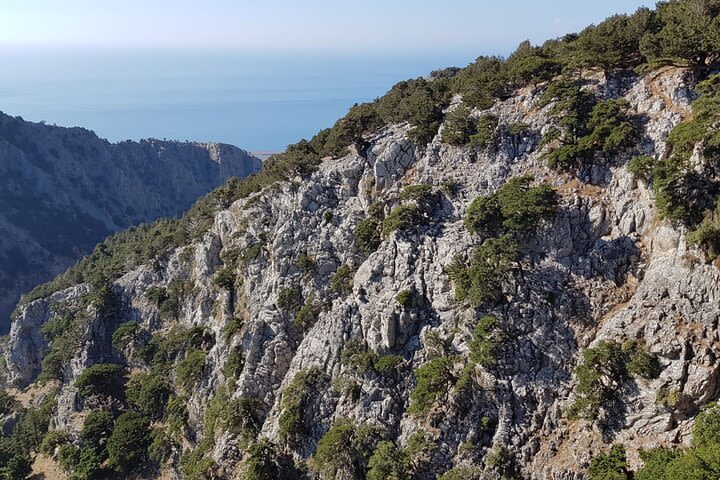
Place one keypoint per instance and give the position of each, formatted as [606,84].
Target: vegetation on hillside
[605,372]
[141,417]
[501,219]
[698,461]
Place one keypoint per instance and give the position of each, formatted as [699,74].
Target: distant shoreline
[263,155]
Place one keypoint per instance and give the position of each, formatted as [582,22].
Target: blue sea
[259,101]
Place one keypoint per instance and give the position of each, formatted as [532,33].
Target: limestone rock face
[62,190]
[604,268]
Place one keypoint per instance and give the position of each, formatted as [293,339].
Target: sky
[485,26]
[259,74]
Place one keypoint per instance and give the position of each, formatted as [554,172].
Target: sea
[260,101]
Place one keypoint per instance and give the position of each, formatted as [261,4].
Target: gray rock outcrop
[606,267]
[63,190]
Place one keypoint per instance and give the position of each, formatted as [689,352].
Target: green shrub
[226,279]
[124,335]
[52,367]
[65,333]
[680,193]
[483,81]
[161,446]
[266,462]
[357,356]
[367,235]
[163,350]
[244,415]
[235,362]
[402,217]
[190,369]
[517,129]
[232,327]
[52,440]
[341,281]
[419,450]
[641,362]
[418,102]
[290,299]
[168,300]
[362,119]
[149,393]
[707,236]
[101,379]
[333,456]
[684,32]
[422,194]
[515,208]
[459,126]
[481,280]
[530,65]
[68,457]
[306,317]
[434,380]
[404,298]
[387,363]
[306,263]
[586,126]
[388,462]
[344,449]
[89,465]
[610,466]
[176,415]
[156,295]
[450,187]
[485,340]
[606,368]
[706,429]
[128,443]
[261,463]
[496,457]
[238,416]
[97,428]
[641,167]
[668,397]
[292,423]
[252,252]
[31,425]
[462,473]
[196,465]
[610,129]
[657,462]
[486,132]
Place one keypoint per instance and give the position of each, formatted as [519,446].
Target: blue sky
[258,74]
[483,26]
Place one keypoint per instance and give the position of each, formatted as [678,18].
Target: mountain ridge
[51,173]
[504,271]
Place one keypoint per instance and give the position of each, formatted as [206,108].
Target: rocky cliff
[281,311]
[62,190]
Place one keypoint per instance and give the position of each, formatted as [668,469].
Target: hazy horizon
[259,77]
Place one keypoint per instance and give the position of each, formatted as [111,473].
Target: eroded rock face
[604,268]
[63,190]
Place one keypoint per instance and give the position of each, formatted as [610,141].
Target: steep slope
[65,189]
[505,271]
[602,267]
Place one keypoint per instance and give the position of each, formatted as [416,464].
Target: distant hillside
[62,190]
[508,271]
